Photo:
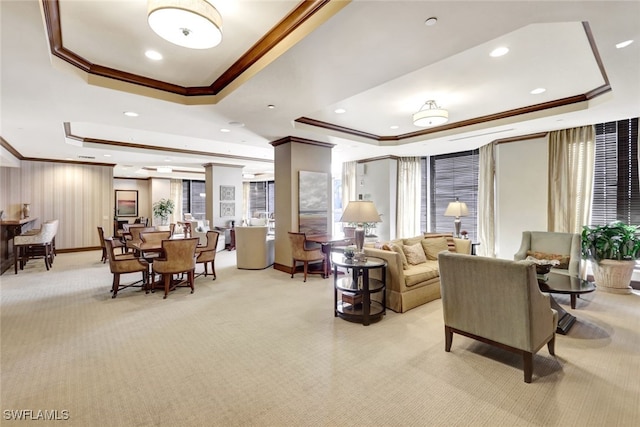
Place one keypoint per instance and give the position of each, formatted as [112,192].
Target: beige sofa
[410,285]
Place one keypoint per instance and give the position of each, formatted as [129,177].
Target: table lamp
[359,212]
[457,209]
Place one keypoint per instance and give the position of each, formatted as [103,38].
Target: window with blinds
[192,201]
[616,190]
[261,197]
[444,178]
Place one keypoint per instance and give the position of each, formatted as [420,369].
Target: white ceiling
[376,59]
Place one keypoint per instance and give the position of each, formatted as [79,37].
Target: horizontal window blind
[453,175]
[616,190]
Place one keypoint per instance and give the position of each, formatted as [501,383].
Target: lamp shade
[360,211]
[457,209]
[430,115]
[195,24]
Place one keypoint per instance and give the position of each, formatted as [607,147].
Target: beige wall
[142,187]
[290,159]
[79,196]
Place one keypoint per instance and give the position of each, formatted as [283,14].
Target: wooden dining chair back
[179,256]
[154,236]
[301,253]
[207,254]
[117,243]
[123,264]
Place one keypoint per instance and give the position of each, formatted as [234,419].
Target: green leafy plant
[615,240]
[163,208]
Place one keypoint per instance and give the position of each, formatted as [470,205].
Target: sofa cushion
[450,242]
[564,259]
[434,245]
[421,273]
[398,249]
[414,253]
[412,240]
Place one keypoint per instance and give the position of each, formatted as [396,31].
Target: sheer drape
[571,168]
[349,183]
[409,197]
[486,201]
[246,196]
[175,190]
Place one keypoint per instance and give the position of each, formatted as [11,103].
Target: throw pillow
[398,249]
[564,259]
[415,254]
[449,237]
[433,246]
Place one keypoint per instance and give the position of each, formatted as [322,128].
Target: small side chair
[302,254]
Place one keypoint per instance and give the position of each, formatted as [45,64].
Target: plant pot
[613,276]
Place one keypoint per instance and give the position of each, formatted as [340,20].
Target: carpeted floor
[256,348]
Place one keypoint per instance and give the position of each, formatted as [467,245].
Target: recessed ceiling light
[538,91]
[394,127]
[152,54]
[431,21]
[131,114]
[107,155]
[225,130]
[236,124]
[339,111]
[271,106]
[624,44]
[500,51]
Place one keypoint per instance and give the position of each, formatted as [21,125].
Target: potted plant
[162,209]
[613,248]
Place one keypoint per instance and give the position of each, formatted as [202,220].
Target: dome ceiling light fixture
[194,24]
[430,115]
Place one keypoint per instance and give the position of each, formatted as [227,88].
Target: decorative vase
[613,276]
[26,210]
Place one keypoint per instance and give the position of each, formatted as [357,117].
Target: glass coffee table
[558,283]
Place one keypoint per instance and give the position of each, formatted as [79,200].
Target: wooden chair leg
[167,282]
[213,270]
[191,276]
[46,257]
[527,359]
[551,345]
[116,285]
[448,338]
[306,266]
[293,269]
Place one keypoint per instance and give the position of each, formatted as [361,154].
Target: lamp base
[457,224]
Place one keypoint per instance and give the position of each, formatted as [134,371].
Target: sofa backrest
[496,299]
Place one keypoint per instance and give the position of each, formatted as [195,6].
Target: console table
[9,228]
[356,289]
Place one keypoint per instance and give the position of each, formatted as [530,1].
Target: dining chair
[116,243]
[207,254]
[179,256]
[154,236]
[302,254]
[124,264]
[134,234]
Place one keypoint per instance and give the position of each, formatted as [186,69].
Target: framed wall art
[313,202]
[227,209]
[227,192]
[126,203]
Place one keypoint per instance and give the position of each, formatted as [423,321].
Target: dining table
[326,242]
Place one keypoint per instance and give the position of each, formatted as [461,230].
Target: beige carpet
[256,348]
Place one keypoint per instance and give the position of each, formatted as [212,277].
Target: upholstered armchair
[125,264]
[498,302]
[207,254]
[254,249]
[301,253]
[565,247]
[179,257]
[116,243]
